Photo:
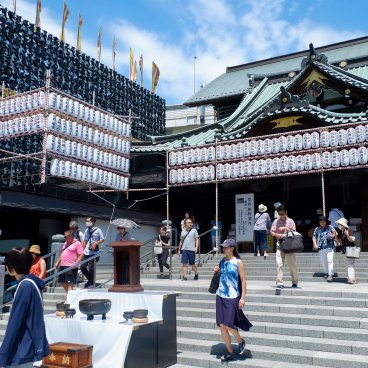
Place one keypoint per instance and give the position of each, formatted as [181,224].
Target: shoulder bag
[215,281]
[292,244]
[157,249]
[352,252]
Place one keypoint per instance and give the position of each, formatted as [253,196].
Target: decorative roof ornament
[184,142]
[286,97]
[313,56]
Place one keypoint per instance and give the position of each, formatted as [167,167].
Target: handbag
[215,283]
[157,249]
[292,244]
[352,252]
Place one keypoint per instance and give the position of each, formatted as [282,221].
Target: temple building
[290,129]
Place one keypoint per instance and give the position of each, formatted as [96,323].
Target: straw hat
[35,249]
[262,208]
[343,222]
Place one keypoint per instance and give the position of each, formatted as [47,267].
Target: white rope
[146,199]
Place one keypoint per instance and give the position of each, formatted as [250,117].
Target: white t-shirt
[190,239]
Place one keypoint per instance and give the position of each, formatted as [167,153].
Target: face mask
[89,223]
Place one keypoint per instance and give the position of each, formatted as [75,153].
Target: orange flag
[155,76]
[99,46]
[131,64]
[141,69]
[38,16]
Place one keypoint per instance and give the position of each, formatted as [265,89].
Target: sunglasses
[282,214]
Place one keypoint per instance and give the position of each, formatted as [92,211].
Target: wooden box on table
[69,355]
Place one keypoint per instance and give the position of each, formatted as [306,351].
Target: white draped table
[110,338]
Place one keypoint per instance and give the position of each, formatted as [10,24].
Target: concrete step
[275,340]
[351,334]
[283,308]
[298,356]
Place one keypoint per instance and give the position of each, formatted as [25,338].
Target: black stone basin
[69,313]
[60,307]
[92,307]
[128,315]
[140,313]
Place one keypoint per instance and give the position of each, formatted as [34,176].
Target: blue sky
[219,33]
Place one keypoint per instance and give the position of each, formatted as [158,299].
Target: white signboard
[244,216]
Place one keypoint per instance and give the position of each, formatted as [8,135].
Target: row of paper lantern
[26,124]
[307,162]
[298,142]
[87,113]
[88,134]
[71,170]
[86,153]
[31,101]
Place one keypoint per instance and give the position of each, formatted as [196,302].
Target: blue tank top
[229,279]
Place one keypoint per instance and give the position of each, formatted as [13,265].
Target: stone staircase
[319,324]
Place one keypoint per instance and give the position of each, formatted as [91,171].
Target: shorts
[188,256]
[68,277]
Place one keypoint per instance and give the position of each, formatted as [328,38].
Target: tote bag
[292,243]
[157,249]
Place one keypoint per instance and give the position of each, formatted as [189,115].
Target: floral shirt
[324,237]
[229,279]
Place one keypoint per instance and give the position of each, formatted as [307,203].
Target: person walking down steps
[262,224]
[164,238]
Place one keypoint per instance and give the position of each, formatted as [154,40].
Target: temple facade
[291,129]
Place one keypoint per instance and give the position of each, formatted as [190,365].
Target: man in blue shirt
[93,238]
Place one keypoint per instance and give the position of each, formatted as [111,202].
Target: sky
[193,41]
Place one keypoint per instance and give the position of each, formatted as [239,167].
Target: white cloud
[219,32]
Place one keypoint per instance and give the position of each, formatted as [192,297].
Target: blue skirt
[229,314]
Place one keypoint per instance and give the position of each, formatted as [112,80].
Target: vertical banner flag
[244,216]
[79,40]
[65,18]
[14,6]
[38,16]
[155,76]
[141,69]
[99,46]
[135,71]
[131,64]
[113,53]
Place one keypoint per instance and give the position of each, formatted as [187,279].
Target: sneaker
[258,254]
[294,285]
[329,278]
[228,357]
[184,279]
[280,286]
[241,347]
[325,275]
[87,285]
[196,276]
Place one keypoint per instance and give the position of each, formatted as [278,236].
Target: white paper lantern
[290,143]
[275,145]
[68,169]
[352,138]
[180,176]
[226,152]
[333,138]
[185,157]
[227,171]
[198,155]
[62,168]
[276,165]
[291,163]
[366,132]
[71,107]
[185,175]
[247,168]
[240,169]
[316,161]
[204,173]
[65,104]
[260,147]
[54,167]
[299,160]
[360,133]
[326,160]
[283,143]
[211,153]
[91,133]
[192,174]
[284,164]
[98,117]
[50,143]
[269,166]
[191,157]
[307,141]
[253,148]
[68,148]
[246,146]
[308,162]
[239,150]
[267,146]
[74,170]
[335,158]
[254,170]
[363,155]
[298,142]
[220,171]
[353,156]
[172,178]
[233,170]
[211,172]
[315,139]
[220,152]
[261,167]
[198,171]
[172,158]
[342,137]
[179,157]
[344,157]
[204,154]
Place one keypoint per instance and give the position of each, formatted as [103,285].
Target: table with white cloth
[121,345]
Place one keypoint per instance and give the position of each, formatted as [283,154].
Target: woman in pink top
[71,253]
[278,230]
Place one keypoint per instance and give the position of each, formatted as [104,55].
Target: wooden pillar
[364,209]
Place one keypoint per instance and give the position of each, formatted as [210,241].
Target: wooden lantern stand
[126,266]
